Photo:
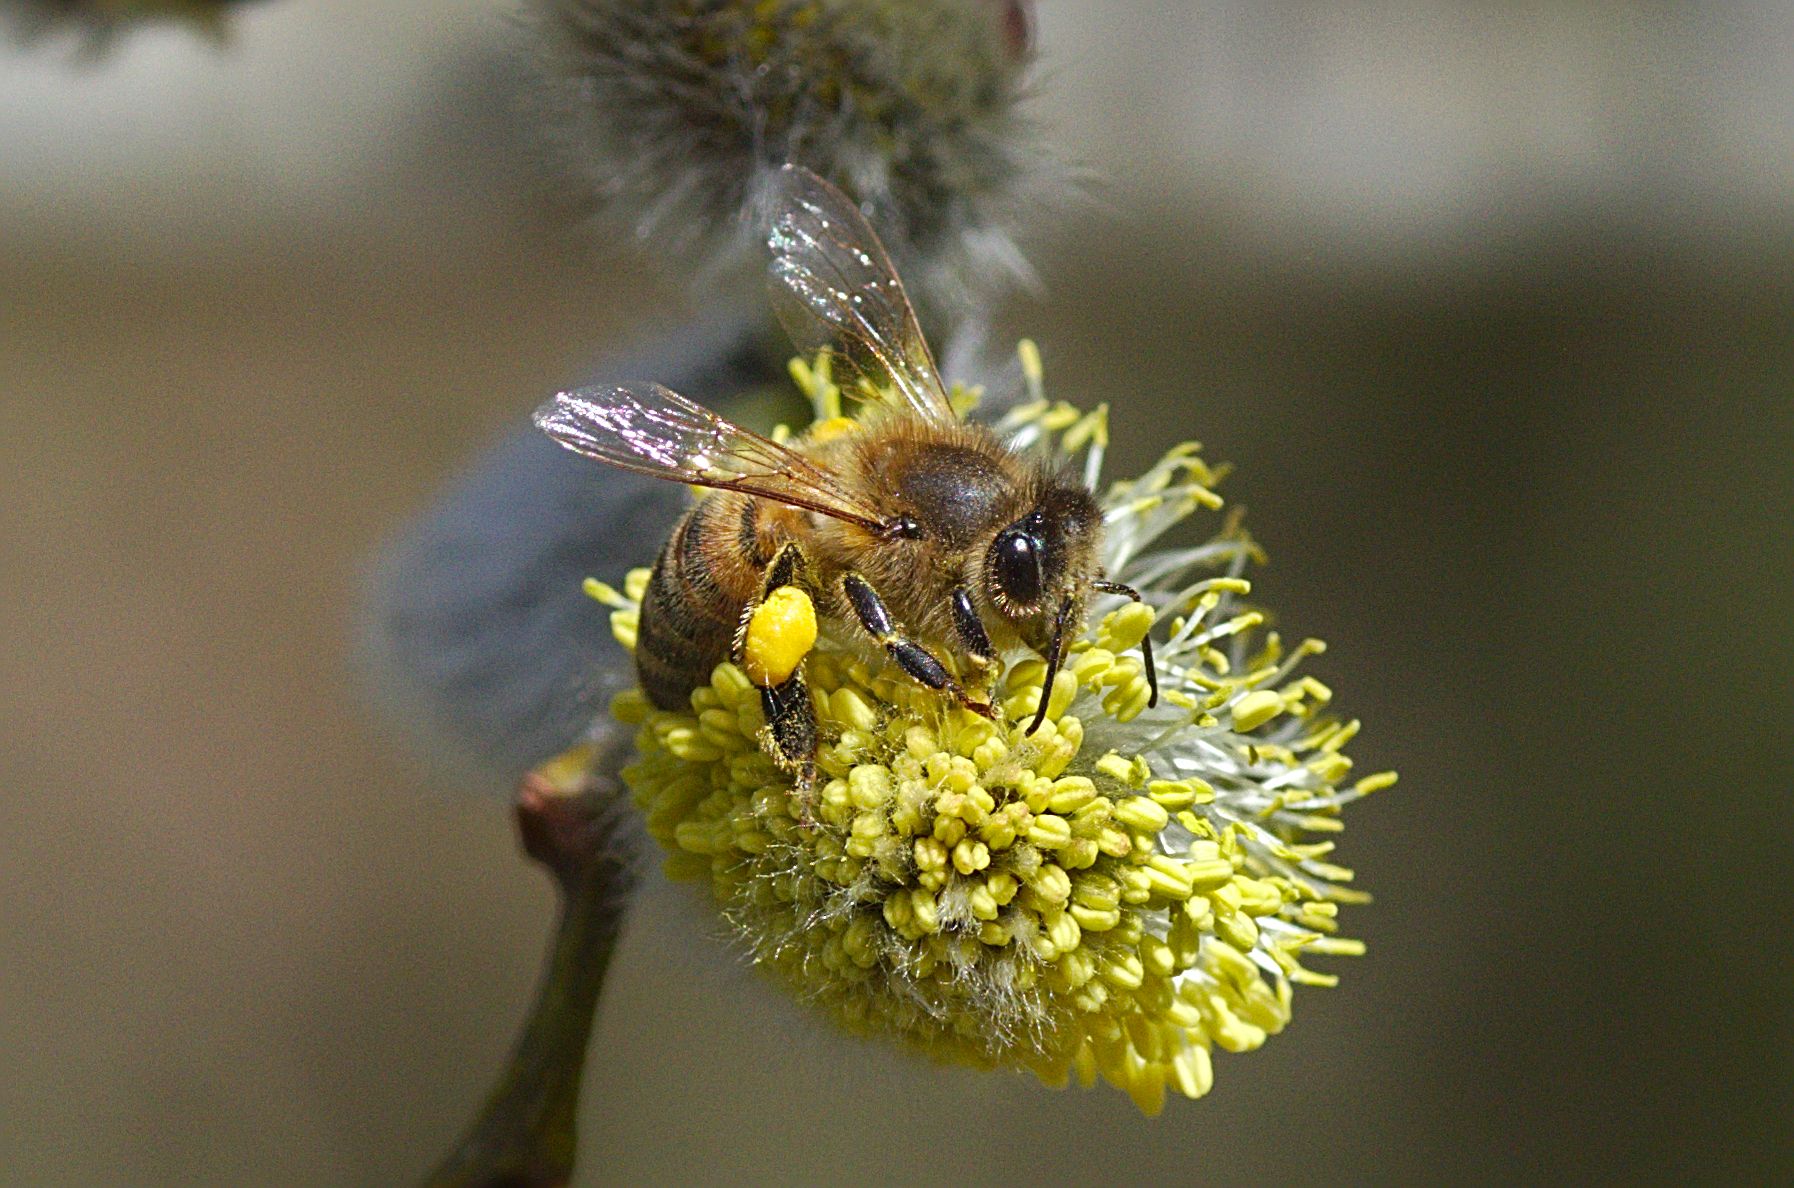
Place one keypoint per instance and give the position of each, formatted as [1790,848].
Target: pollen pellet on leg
[780,634]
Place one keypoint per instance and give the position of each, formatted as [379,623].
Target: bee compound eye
[1015,558]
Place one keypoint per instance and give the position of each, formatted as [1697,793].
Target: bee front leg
[973,639]
[910,656]
[776,632]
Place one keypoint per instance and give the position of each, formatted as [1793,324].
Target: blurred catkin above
[99,21]
[677,114]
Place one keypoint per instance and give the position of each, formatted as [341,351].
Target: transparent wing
[652,430]
[834,289]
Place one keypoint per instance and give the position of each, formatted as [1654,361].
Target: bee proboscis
[919,529]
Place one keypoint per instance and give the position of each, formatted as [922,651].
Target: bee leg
[788,567]
[910,656]
[973,639]
[775,634]
[789,735]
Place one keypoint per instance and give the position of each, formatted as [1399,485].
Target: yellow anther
[830,429]
[1255,709]
[1143,813]
[970,856]
[780,634]
[605,593]
[1029,354]
[1093,426]
[1123,629]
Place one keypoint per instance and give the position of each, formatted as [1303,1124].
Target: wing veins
[649,429]
[829,268]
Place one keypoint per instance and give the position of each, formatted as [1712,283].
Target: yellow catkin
[1004,898]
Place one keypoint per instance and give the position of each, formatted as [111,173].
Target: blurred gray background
[1491,307]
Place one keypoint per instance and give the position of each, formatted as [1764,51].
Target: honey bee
[917,530]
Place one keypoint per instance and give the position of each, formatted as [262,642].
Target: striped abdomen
[709,570]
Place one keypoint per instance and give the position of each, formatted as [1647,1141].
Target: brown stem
[526,1135]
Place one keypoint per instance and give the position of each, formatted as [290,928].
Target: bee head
[1038,570]
[1036,563]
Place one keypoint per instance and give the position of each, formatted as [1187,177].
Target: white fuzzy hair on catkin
[676,113]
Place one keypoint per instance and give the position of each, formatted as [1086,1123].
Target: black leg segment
[916,660]
[910,656]
[789,567]
[868,606]
[790,735]
[970,628]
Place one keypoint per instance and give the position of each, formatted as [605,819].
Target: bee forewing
[643,427]
[652,430]
[834,289]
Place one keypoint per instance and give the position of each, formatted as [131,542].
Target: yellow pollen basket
[779,635]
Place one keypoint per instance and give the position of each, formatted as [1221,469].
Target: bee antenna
[1152,675]
[1058,648]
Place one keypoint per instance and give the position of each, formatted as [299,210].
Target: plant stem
[527,1134]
